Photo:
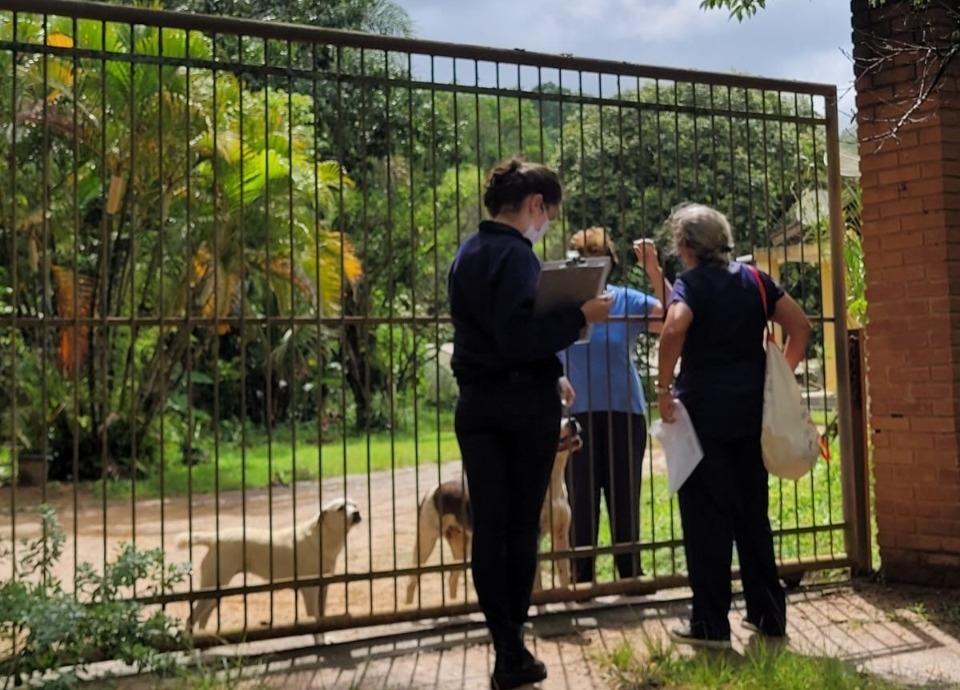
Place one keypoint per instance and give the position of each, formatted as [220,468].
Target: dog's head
[340,514]
[569,435]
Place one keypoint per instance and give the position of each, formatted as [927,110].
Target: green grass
[760,668]
[814,500]
[261,462]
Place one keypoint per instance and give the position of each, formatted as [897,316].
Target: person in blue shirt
[611,409]
[716,320]
[507,418]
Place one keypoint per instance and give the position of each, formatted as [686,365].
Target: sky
[807,40]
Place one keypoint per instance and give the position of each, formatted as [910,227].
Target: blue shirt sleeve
[640,304]
[522,337]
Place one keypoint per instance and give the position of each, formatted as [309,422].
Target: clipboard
[571,282]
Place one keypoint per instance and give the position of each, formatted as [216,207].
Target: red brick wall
[911,238]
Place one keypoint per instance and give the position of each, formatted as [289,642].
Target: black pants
[725,500]
[508,439]
[610,461]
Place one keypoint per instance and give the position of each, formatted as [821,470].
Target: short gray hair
[703,230]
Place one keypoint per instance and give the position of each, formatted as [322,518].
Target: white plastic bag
[789,439]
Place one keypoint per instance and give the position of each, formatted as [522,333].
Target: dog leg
[427,539]
[561,541]
[458,547]
[208,577]
[208,580]
[311,601]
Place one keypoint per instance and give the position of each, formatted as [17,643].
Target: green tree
[661,154]
[107,227]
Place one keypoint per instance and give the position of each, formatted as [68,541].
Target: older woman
[715,320]
[611,408]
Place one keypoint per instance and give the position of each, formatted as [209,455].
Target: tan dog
[445,512]
[556,514]
[334,521]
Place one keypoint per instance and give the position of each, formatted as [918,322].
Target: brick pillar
[911,239]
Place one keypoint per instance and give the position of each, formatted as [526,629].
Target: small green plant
[49,634]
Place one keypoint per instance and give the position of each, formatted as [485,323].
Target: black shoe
[748,624]
[685,635]
[529,670]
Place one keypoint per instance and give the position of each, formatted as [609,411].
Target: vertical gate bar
[817,162]
[216,328]
[456,155]
[476,105]
[14,326]
[161,239]
[695,115]
[752,229]
[716,158]
[645,346]
[496,66]
[391,312]
[292,384]
[75,460]
[187,325]
[343,323]
[242,233]
[855,476]
[268,393]
[436,299]
[676,148]
[611,496]
[549,502]
[132,254]
[804,271]
[661,211]
[783,186]
[562,152]
[45,270]
[413,280]
[748,140]
[767,220]
[364,327]
[102,279]
[584,223]
[520,148]
[321,398]
[632,481]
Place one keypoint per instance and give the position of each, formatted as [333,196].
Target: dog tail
[184,540]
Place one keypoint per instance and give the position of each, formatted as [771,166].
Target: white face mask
[533,233]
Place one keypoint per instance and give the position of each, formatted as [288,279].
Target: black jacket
[492,286]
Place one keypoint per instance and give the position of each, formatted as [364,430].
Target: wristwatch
[664,389]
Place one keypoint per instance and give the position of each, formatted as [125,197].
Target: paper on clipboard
[680,445]
[571,282]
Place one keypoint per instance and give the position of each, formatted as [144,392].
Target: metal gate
[223,304]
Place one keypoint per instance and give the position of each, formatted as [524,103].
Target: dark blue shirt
[723,363]
[492,287]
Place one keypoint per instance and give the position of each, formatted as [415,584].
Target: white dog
[334,521]
[445,511]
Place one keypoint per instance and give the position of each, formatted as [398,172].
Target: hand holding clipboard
[575,282]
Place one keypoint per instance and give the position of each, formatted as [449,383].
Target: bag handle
[763,299]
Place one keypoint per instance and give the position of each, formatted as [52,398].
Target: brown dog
[445,512]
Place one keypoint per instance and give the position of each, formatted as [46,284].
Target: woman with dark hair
[508,414]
